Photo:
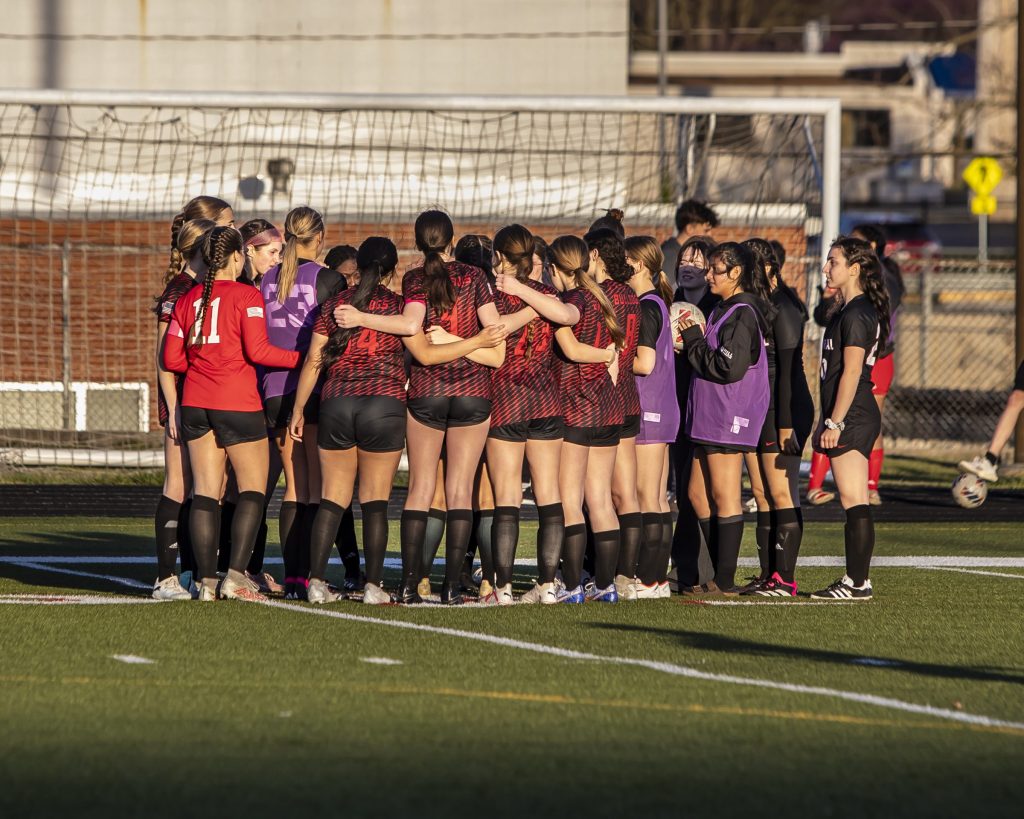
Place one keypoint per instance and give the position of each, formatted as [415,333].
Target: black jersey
[794,408]
[856,325]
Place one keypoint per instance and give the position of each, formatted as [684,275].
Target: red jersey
[461,377]
[175,289]
[220,374]
[373,363]
[627,311]
[589,398]
[526,385]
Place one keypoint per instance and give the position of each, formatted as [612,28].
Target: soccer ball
[684,310]
[969,491]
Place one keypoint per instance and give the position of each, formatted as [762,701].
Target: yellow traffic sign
[982,175]
[983,205]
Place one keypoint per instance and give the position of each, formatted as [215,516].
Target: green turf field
[910,705]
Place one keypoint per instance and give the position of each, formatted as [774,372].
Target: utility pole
[662,88]
[1018,443]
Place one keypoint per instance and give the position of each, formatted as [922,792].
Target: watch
[830,424]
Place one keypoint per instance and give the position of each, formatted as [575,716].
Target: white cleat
[170,589]
[981,467]
[374,595]
[244,589]
[545,594]
[664,590]
[318,593]
[505,596]
[645,592]
[207,592]
[626,587]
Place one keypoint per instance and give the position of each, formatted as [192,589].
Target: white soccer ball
[684,310]
[969,491]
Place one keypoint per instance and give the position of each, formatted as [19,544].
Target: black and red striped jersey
[174,290]
[627,311]
[589,398]
[373,363]
[461,377]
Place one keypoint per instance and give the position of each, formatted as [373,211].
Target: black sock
[666,546]
[244,524]
[188,561]
[788,535]
[572,554]
[685,545]
[606,557]
[483,521]
[630,526]
[432,539]
[289,534]
[375,539]
[730,536]
[800,517]
[860,542]
[259,548]
[505,538]
[550,534]
[167,512]
[204,524]
[762,536]
[321,537]
[589,553]
[413,527]
[650,548]
[227,517]
[348,547]
[992,458]
[305,523]
[459,526]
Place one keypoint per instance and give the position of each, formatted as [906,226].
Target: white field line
[669,668]
[830,561]
[380,661]
[974,571]
[69,599]
[132,659]
[49,567]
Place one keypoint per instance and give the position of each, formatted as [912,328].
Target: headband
[271,234]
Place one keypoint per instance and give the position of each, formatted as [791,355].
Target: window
[866,128]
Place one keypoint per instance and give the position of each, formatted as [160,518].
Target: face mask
[690,276]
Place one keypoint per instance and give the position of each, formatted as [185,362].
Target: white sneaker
[645,592]
[505,596]
[374,595]
[545,594]
[170,589]
[664,590]
[318,593]
[626,587]
[233,589]
[981,467]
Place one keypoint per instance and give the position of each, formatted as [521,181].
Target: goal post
[89,181]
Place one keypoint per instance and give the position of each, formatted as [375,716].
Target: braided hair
[860,252]
[202,207]
[189,241]
[571,255]
[218,245]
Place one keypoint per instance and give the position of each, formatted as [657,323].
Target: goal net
[90,181]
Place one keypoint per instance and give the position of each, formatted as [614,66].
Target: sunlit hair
[647,251]
[301,226]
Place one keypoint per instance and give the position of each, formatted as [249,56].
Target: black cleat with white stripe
[844,590]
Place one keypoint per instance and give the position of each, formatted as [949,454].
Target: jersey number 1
[213,312]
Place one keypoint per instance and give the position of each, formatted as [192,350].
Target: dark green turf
[251,710]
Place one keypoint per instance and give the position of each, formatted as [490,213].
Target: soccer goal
[89,182]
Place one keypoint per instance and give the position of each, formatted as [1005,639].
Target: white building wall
[594,60]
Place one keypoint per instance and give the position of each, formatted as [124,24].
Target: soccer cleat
[505,596]
[490,599]
[374,595]
[423,588]
[775,586]
[645,592]
[486,589]
[981,467]
[231,589]
[817,497]
[545,594]
[353,583]
[754,585]
[874,498]
[572,595]
[606,595]
[407,594]
[319,593]
[664,590]
[207,592]
[451,594]
[266,584]
[843,589]
[626,587]
[170,589]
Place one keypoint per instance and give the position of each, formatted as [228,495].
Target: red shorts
[881,375]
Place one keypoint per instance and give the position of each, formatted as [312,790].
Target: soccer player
[362,418]
[263,243]
[659,416]
[291,293]
[216,337]
[344,259]
[984,466]
[172,510]
[693,218]
[728,401]
[851,419]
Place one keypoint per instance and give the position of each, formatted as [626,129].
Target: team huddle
[578,371]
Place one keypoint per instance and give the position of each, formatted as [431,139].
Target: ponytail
[434,233]
[587,282]
[176,263]
[377,259]
[647,251]
[301,226]
[571,256]
[860,252]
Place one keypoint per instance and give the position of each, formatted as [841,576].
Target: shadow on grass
[703,641]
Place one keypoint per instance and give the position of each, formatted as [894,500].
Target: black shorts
[593,436]
[860,434]
[769,438]
[716,449]
[373,423]
[441,412]
[630,427]
[229,427]
[1018,381]
[537,429]
[278,410]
